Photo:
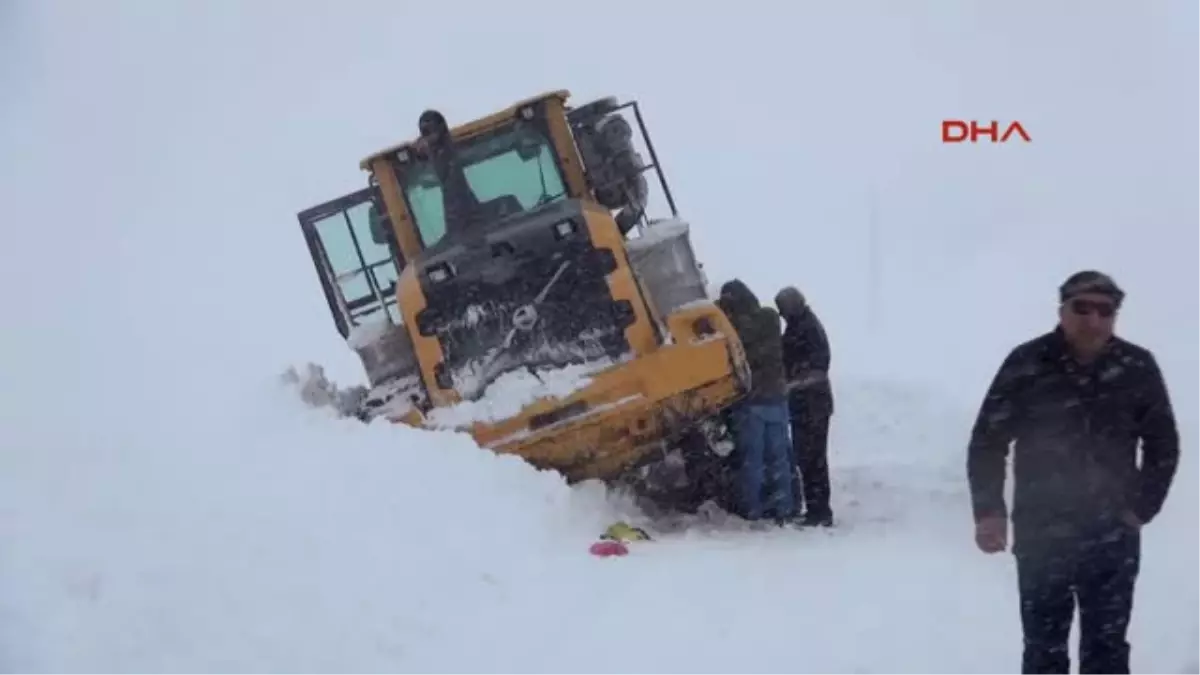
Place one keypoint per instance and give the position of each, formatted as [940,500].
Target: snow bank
[513,391]
[277,538]
[269,536]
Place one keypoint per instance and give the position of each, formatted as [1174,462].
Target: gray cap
[1090,281]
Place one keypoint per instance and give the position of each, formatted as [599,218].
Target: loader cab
[536,152]
[516,219]
[507,252]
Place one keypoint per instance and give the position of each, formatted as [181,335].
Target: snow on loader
[523,249]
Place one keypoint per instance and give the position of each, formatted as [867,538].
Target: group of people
[1073,407]
[781,427]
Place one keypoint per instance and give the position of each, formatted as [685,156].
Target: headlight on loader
[703,327]
[564,229]
[439,273]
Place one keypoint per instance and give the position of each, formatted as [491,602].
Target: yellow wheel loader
[519,246]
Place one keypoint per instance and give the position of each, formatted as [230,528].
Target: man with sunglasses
[1076,402]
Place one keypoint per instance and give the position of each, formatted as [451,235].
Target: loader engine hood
[528,292]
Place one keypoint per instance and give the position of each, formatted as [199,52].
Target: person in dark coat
[760,421]
[435,144]
[810,401]
[1076,402]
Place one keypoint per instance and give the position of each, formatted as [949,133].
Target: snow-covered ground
[272,537]
[167,505]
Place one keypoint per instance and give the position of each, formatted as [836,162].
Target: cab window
[357,267]
[517,165]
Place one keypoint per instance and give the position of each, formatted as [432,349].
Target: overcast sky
[154,155]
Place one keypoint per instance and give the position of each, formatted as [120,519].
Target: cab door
[356,258]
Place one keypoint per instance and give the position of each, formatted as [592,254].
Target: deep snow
[167,505]
[279,538]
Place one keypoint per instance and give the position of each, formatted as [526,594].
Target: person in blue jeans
[761,420]
[761,434]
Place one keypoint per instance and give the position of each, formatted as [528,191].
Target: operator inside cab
[436,146]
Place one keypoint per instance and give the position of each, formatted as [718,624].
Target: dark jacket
[758,328]
[806,365]
[1076,430]
[460,207]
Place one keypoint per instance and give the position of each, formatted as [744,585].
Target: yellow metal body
[630,410]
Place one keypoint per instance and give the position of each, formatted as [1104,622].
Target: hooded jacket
[758,328]
[806,360]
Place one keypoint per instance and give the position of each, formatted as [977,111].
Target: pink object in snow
[607,548]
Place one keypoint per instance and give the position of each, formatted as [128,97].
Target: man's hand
[991,534]
[1132,520]
[806,378]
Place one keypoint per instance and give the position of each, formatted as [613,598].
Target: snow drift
[278,537]
[282,539]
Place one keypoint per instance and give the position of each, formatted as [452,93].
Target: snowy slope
[167,505]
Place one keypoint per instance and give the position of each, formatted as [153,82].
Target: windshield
[510,171]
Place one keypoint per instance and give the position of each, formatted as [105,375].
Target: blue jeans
[761,436]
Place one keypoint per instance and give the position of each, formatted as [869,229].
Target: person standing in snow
[810,401]
[1076,401]
[760,421]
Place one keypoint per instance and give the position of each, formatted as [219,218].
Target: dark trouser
[810,443]
[1097,573]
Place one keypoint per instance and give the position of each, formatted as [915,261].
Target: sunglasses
[1084,307]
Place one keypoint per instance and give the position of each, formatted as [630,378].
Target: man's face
[1087,319]
[430,132]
